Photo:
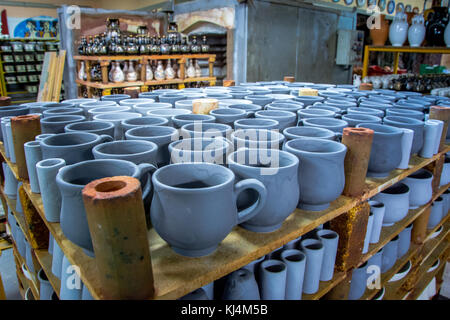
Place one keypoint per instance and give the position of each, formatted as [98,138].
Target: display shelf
[397,51]
[388,233]
[100,85]
[11,165]
[148,57]
[326,286]
[33,282]
[45,260]
[23,283]
[431,251]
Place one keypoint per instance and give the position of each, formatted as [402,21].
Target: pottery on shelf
[228,115]
[396,203]
[56,124]
[273,276]
[295,262]
[33,155]
[57,258]
[241,285]
[309,132]
[409,123]
[358,283]
[182,119]
[330,240]
[420,188]
[73,147]
[51,197]
[183,189]
[116,119]
[437,213]
[380,34]
[162,136]
[431,138]
[404,241]
[249,108]
[71,180]
[168,114]
[62,112]
[198,294]
[136,151]
[368,235]
[335,125]
[403,112]
[97,127]
[69,290]
[378,210]
[211,150]
[385,154]
[45,288]
[445,175]
[315,113]
[390,254]
[284,118]
[314,251]
[436,25]
[256,123]
[278,171]
[205,130]
[321,160]
[10,186]
[407,141]
[115,97]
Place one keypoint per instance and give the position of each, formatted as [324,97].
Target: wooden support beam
[351,227]
[419,231]
[443,114]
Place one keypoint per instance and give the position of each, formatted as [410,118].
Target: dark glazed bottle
[205,46]
[436,22]
[195,47]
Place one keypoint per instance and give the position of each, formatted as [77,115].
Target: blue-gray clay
[260,99]
[249,108]
[86,106]
[20,241]
[77,102]
[256,123]
[137,101]
[182,119]
[284,118]
[145,108]
[390,254]
[168,113]
[330,241]
[115,97]
[368,235]
[322,106]
[45,288]
[314,251]
[376,260]
[254,266]
[420,188]
[71,285]
[355,119]
[228,115]
[117,118]
[205,130]
[182,207]
[56,124]
[161,135]
[33,155]
[396,203]
[72,179]
[378,209]
[171,98]
[309,100]
[28,257]
[62,112]
[272,280]
[51,198]
[341,103]
[57,259]
[404,241]
[335,125]
[85,294]
[321,171]
[403,112]
[363,110]
[386,152]
[375,105]
[277,170]
[143,121]
[198,294]
[50,243]
[149,95]
[10,186]
[13,111]
[219,96]
[358,282]
[136,151]
[295,262]
[257,138]
[309,132]
[437,213]
[18,207]
[73,147]
[285,106]
[410,123]
[241,285]
[315,113]
[211,150]
[97,127]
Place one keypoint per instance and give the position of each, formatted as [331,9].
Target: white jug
[416,32]
[398,31]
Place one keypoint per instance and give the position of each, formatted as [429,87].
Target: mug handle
[146,168]
[105,138]
[253,210]
[300,123]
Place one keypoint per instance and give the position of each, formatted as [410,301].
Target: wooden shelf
[100,85]
[45,260]
[33,283]
[326,286]
[148,57]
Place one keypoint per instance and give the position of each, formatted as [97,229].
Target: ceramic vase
[409,123]
[445,175]
[10,186]
[273,275]
[169,72]
[368,235]
[33,155]
[358,283]
[390,254]
[241,285]
[404,241]
[278,171]
[439,134]
[159,72]
[51,197]
[314,251]
[131,74]
[20,241]
[71,286]
[148,72]
[447,35]
[396,203]
[29,257]
[407,140]
[416,32]
[321,160]
[431,137]
[295,262]
[398,30]
[9,137]
[118,75]
[420,187]
[190,69]
[57,259]
[45,288]
[436,214]
[376,261]
[378,209]
[330,240]
[380,35]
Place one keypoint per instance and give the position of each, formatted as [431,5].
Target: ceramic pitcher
[398,31]
[416,32]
